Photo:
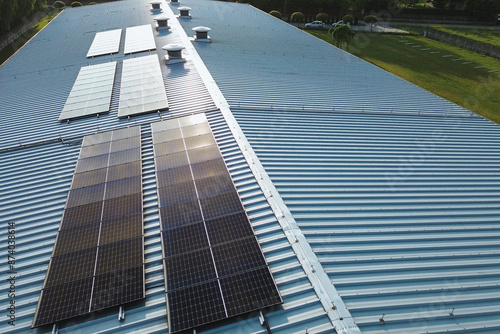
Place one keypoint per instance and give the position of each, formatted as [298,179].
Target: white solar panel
[106,42]
[139,38]
[142,89]
[91,92]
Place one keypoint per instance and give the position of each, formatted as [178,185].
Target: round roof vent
[174,53]
[202,34]
[155,4]
[184,11]
[162,21]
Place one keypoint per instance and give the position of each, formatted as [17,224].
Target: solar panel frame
[91,93]
[105,42]
[206,234]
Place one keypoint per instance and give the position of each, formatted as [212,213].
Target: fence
[17,32]
[462,42]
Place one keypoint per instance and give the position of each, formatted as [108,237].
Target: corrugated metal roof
[35,178]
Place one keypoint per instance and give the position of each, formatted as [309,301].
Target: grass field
[18,43]
[485,35]
[460,76]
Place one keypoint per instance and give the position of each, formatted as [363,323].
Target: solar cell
[121,229]
[63,301]
[176,193]
[97,138]
[120,207]
[76,239]
[121,254]
[71,267]
[194,306]
[142,88]
[90,178]
[91,92]
[123,187]
[214,185]
[228,228]
[199,141]
[180,214]
[192,119]
[160,137]
[94,150]
[171,161]
[209,168]
[132,131]
[184,239]
[123,157]
[235,256]
[249,291]
[171,176]
[221,204]
[169,147]
[105,42]
[80,216]
[118,287]
[168,124]
[139,38]
[188,269]
[125,144]
[203,154]
[124,171]
[195,130]
[87,164]
[87,195]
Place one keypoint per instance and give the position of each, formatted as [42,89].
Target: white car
[315,24]
[336,23]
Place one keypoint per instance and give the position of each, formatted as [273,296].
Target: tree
[59,4]
[276,14]
[439,4]
[483,10]
[76,4]
[323,17]
[371,19]
[297,17]
[342,35]
[348,19]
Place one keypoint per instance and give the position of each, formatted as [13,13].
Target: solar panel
[105,42]
[142,88]
[139,38]
[208,242]
[98,258]
[91,92]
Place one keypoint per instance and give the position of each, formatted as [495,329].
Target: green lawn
[470,85]
[18,43]
[485,35]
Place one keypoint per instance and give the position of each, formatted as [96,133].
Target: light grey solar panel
[91,92]
[105,42]
[142,89]
[139,38]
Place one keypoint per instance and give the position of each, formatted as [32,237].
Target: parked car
[336,23]
[315,24]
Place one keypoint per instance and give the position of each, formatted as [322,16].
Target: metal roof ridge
[330,299]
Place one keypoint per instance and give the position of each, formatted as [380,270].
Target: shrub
[323,17]
[297,17]
[59,4]
[93,3]
[276,14]
[348,18]
[76,4]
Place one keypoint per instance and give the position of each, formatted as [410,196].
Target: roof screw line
[382,319]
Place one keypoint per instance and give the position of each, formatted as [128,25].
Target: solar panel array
[142,88]
[98,259]
[214,267]
[105,42]
[91,92]
[139,38]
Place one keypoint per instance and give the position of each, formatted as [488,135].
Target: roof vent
[202,34]
[175,1]
[156,4]
[162,22]
[174,54]
[184,12]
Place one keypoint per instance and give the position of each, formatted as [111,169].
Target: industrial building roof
[376,203]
